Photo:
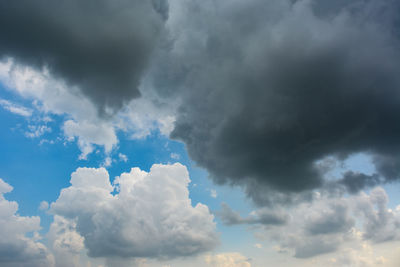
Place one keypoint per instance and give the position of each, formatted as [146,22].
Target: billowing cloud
[66,243]
[89,133]
[380,223]
[259,91]
[268,88]
[16,248]
[150,216]
[328,225]
[100,47]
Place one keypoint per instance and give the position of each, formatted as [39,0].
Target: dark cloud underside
[267,88]
[271,87]
[99,46]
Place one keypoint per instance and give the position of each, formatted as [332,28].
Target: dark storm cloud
[355,182]
[267,88]
[270,87]
[99,46]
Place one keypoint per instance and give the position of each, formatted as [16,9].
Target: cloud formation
[15,108]
[328,225]
[89,133]
[269,88]
[16,248]
[66,243]
[261,216]
[150,216]
[140,118]
[100,47]
[258,91]
[53,97]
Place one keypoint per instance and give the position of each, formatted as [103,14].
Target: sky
[174,133]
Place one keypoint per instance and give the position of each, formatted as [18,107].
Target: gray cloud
[315,247]
[330,224]
[333,219]
[269,88]
[315,228]
[380,223]
[261,216]
[265,88]
[355,182]
[101,47]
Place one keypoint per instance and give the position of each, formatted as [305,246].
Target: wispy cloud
[15,108]
[37,131]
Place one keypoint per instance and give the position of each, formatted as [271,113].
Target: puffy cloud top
[16,248]
[150,216]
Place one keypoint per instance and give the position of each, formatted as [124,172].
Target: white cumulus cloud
[151,215]
[16,248]
[89,134]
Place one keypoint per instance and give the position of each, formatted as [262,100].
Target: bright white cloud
[89,133]
[123,157]
[139,118]
[15,108]
[53,96]
[107,162]
[37,131]
[16,248]
[175,156]
[150,216]
[145,115]
[49,95]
